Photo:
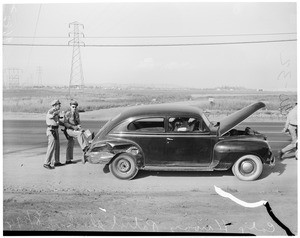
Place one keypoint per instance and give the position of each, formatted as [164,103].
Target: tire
[124,166]
[247,168]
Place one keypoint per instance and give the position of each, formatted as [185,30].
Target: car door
[149,134]
[189,148]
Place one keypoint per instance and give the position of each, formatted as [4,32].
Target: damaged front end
[104,152]
[99,153]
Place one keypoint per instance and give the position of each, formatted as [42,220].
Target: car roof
[161,110]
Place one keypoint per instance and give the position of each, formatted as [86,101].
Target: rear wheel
[247,168]
[124,166]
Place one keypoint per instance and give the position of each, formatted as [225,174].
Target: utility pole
[14,77]
[76,76]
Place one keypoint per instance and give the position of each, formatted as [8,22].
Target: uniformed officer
[74,130]
[291,126]
[53,122]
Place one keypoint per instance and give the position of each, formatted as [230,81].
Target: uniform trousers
[82,140]
[53,149]
[293,144]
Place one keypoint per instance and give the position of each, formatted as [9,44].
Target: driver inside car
[181,124]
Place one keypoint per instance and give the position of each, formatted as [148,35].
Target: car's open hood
[236,118]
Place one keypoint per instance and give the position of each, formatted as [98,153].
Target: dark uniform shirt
[71,119]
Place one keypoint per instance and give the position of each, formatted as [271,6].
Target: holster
[54,134]
[66,133]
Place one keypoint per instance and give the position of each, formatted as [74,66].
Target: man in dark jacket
[73,128]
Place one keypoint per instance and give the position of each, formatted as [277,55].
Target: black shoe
[57,164]
[70,162]
[48,166]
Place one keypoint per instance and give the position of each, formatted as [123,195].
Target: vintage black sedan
[179,138]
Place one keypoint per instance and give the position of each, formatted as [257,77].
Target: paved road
[25,135]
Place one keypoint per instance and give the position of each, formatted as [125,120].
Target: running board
[159,168]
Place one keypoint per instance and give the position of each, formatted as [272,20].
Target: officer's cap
[73,102]
[55,102]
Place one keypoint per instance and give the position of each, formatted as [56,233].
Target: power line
[167,36]
[159,45]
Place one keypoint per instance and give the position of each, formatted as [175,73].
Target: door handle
[169,139]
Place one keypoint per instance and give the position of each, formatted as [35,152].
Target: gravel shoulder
[81,197]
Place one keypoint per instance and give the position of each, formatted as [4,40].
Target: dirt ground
[81,197]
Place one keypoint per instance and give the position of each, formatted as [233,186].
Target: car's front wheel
[247,168]
[124,166]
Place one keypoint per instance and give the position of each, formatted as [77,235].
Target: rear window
[147,125]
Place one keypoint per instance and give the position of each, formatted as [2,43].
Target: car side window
[147,125]
[187,124]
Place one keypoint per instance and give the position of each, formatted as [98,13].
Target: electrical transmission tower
[76,76]
[13,77]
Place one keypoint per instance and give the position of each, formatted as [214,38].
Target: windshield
[205,119]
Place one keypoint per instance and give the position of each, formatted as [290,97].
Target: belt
[293,125]
[53,127]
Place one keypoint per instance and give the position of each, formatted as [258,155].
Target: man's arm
[66,121]
[52,113]
[77,117]
[285,129]
[78,121]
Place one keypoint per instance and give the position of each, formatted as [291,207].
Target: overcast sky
[194,44]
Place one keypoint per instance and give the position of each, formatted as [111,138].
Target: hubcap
[247,167]
[123,166]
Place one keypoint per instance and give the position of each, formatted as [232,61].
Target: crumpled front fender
[101,157]
[103,152]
